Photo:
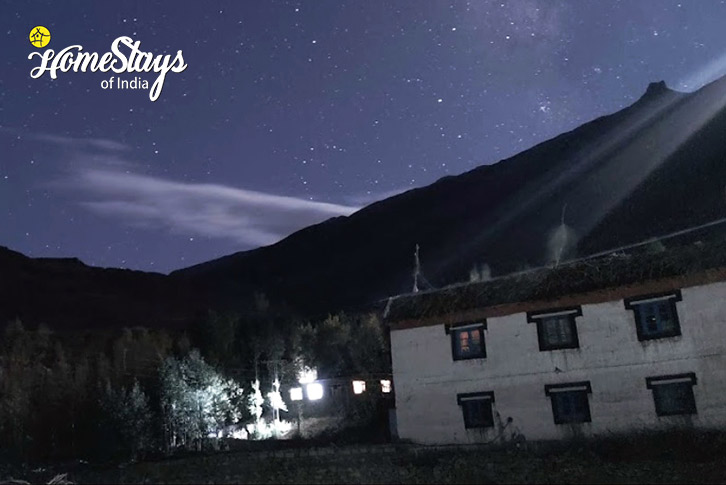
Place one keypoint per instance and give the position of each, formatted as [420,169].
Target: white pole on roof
[416,270]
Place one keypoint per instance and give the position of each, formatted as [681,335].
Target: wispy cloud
[80,143]
[84,144]
[106,181]
[248,217]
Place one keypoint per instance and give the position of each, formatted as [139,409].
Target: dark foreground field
[664,459]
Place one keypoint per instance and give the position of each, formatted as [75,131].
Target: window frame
[453,332]
[581,386]
[538,317]
[486,396]
[689,378]
[672,297]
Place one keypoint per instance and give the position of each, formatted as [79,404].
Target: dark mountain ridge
[619,179]
[65,293]
[654,167]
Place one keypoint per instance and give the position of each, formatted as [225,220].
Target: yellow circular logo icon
[39,36]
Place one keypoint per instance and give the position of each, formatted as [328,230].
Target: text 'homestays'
[73,58]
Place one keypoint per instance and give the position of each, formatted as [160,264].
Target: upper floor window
[656,316]
[556,329]
[673,394]
[467,340]
[569,402]
[477,409]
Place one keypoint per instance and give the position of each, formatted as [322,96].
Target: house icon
[39,36]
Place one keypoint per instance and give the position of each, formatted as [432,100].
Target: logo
[125,56]
[39,36]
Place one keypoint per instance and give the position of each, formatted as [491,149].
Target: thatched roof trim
[598,296]
[594,281]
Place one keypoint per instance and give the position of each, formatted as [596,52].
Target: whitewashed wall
[610,356]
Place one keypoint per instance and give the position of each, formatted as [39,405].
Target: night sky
[293,112]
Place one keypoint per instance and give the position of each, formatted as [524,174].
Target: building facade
[642,356]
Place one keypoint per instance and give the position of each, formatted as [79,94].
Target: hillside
[67,294]
[654,167]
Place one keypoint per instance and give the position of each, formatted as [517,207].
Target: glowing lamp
[385,386]
[296,394]
[315,391]
[359,387]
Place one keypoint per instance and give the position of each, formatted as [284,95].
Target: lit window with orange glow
[467,341]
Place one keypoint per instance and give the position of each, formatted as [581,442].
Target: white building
[629,343]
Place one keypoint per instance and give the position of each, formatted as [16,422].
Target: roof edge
[709,276]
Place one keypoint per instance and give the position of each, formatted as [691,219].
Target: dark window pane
[565,332]
[676,398]
[557,332]
[657,319]
[570,407]
[477,413]
[551,330]
[665,316]
[475,339]
[651,321]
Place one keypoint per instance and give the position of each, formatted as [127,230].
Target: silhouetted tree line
[102,395]
[80,395]
[264,344]
[338,345]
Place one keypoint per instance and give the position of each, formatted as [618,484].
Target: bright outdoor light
[296,394]
[385,385]
[359,387]
[315,391]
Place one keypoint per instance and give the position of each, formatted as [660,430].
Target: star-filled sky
[291,112]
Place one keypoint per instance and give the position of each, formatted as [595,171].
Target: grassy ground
[643,459]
